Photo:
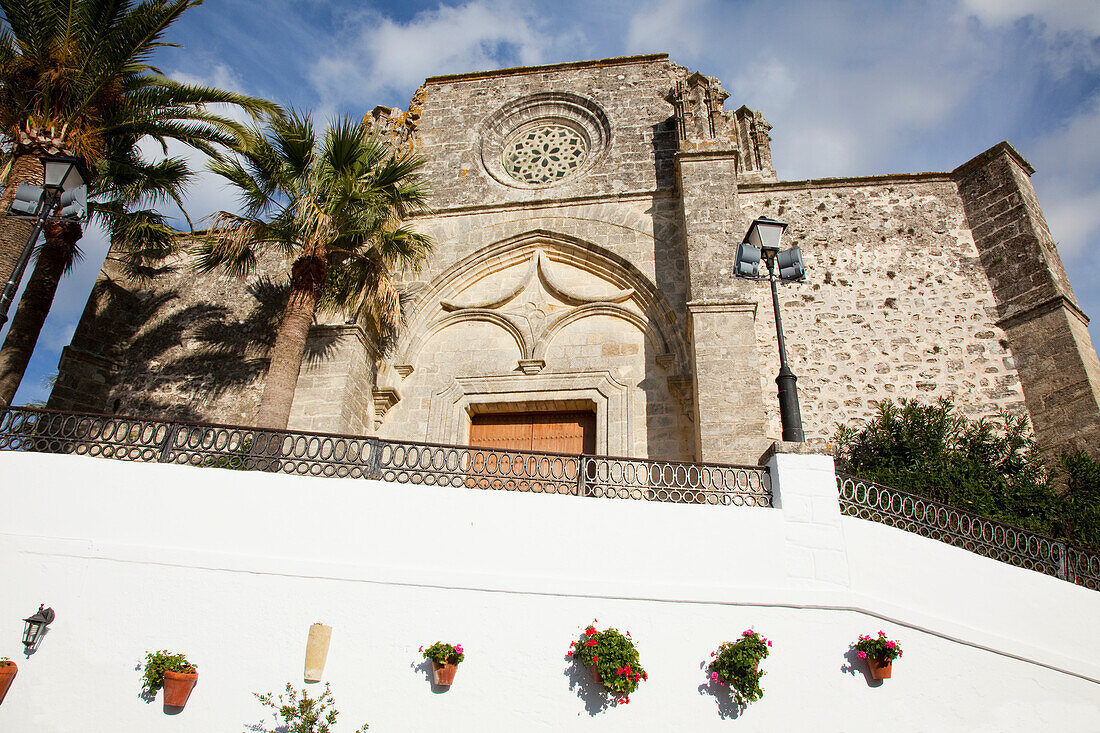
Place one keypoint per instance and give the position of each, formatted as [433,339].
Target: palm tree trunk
[53,260]
[307,276]
[25,168]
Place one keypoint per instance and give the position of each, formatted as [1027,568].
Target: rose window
[544,154]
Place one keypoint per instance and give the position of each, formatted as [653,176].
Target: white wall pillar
[804,489]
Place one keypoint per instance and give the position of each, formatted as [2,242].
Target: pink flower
[882,633]
[769,643]
[862,655]
[890,645]
[713,676]
[458,648]
[746,632]
[712,654]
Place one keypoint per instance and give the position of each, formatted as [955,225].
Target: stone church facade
[585,217]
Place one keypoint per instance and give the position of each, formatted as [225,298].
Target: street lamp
[762,243]
[64,188]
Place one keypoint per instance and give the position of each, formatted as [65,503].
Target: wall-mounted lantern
[35,626]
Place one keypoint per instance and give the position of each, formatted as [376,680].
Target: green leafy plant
[5,662]
[613,655]
[297,712]
[441,653]
[156,664]
[989,467]
[737,664]
[877,647]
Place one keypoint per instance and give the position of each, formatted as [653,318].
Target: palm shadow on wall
[221,352]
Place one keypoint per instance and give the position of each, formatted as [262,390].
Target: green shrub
[297,712]
[989,467]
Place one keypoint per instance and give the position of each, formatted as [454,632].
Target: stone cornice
[516,70]
[1042,308]
[896,178]
[546,204]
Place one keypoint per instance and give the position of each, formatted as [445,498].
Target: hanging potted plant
[8,670]
[445,660]
[611,658]
[879,652]
[172,672]
[737,664]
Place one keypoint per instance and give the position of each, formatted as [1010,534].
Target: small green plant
[297,712]
[5,662]
[877,647]
[441,653]
[613,655]
[737,664]
[156,664]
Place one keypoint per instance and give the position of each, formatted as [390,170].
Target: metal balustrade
[973,532]
[345,456]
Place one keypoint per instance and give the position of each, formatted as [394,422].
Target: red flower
[595,620]
[627,668]
[628,633]
[645,675]
[590,630]
[590,642]
[572,643]
[569,654]
[595,659]
[626,701]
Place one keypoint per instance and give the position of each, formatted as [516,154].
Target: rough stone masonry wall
[896,302]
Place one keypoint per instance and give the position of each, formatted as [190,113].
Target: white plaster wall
[232,567]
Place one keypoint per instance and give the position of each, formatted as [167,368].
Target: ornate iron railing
[323,454]
[973,532]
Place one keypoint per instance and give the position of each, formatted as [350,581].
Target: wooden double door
[547,432]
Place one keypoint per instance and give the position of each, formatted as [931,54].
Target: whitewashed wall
[231,568]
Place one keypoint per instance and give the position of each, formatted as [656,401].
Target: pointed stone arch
[445,302]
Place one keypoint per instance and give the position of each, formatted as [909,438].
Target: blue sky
[851,88]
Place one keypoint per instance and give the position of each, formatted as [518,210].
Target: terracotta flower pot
[596,675]
[444,674]
[7,674]
[178,686]
[880,669]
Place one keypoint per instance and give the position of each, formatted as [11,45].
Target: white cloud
[1067,160]
[667,25]
[379,55]
[1058,15]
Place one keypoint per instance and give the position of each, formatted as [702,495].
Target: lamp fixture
[35,626]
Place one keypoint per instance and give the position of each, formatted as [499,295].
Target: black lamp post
[63,178]
[762,242]
[35,625]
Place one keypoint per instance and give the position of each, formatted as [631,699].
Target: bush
[299,713]
[989,467]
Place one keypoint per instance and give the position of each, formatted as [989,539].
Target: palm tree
[75,79]
[140,240]
[335,206]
